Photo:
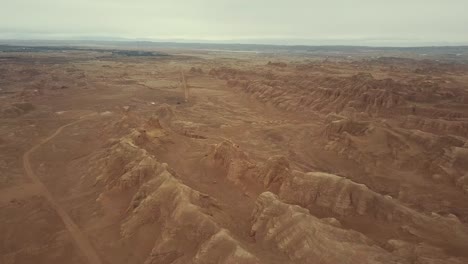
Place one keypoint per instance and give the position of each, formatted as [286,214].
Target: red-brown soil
[272,159]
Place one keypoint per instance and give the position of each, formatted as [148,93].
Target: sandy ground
[69,195]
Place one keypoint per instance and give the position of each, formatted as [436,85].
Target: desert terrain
[116,155]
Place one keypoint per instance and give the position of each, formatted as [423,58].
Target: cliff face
[340,197]
[187,231]
[303,237]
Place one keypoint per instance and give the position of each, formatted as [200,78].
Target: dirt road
[78,236]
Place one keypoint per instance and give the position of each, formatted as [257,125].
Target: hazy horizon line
[375,43]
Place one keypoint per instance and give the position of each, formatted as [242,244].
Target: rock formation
[305,238]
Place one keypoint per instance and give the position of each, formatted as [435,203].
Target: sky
[294,22]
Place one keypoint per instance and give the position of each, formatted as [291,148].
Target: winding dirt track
[80,239]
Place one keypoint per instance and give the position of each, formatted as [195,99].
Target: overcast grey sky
[374,22]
